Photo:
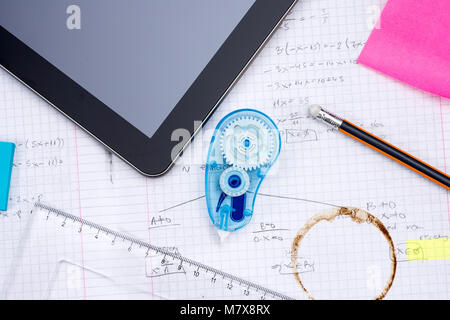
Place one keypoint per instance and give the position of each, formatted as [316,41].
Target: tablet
[133,72]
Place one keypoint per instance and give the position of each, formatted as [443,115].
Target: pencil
[381,146]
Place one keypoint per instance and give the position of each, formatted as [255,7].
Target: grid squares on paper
[321,169]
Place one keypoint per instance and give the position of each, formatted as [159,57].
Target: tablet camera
[245,145]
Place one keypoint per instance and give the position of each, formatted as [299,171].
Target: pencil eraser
[6,164]
[314,110]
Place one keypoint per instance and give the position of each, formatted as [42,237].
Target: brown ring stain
[357,215]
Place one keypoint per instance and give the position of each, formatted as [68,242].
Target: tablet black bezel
[150,156]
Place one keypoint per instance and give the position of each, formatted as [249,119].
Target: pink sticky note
[412,43]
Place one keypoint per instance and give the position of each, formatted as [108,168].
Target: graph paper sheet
[309,60]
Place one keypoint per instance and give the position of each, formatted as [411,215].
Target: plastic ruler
[194,269]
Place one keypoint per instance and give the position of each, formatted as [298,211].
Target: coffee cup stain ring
[357,215]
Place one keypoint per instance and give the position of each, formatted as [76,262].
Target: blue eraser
[6,164]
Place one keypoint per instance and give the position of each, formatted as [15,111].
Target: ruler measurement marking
[161,250]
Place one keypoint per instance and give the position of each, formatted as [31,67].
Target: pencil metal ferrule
[329,118]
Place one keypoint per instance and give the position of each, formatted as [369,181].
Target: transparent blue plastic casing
[245,145]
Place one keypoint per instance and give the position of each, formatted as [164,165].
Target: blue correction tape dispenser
[245,145]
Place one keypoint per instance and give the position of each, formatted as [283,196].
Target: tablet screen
[138,57]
